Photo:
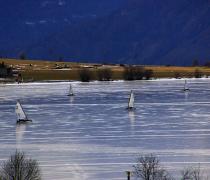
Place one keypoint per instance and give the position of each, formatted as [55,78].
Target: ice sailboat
[186,88]
[70,91]
[131,101]
[21,115]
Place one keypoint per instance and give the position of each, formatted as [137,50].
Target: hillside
[24,24]
[140,32]
[143,32]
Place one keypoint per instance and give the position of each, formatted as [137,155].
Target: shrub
[177,75]
[137,73]
[129,74]
[85,75]
[104,74]
[197,73]
[148,74]
[2,65]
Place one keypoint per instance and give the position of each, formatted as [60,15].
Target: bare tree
[18,167]
[148,168]
[191,174]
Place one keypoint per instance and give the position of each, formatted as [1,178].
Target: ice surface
[93,136]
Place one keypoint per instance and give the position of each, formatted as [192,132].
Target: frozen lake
[93,136]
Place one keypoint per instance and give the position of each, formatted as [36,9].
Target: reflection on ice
[186,95]
[131,115]
[71,98]
[20,131]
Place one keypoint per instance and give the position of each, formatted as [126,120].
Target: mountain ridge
[140,32]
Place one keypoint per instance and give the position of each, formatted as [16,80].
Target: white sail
[131,101]
[19,111]
[70,91]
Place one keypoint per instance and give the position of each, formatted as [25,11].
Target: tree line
[130,73]
[105,74]
[87,75]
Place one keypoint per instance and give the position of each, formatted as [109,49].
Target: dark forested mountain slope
[137,32]
[26,22]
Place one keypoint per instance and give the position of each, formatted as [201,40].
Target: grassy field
[172,71]
[51,70]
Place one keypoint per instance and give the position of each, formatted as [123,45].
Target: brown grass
[164,71]
[51,70]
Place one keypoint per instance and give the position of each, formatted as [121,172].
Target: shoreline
[97,81]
